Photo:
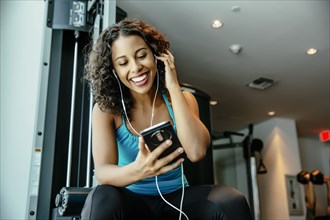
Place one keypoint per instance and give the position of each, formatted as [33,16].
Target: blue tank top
[128,148]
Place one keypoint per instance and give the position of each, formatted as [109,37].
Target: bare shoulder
[98,112]
[103,117]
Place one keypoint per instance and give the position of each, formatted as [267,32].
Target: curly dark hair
[99,66]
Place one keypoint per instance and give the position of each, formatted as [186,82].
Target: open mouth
[140,80]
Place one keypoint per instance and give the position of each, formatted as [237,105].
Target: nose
[136,66]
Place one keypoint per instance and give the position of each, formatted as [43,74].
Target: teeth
[139,78]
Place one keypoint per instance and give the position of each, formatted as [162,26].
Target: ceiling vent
[261,83]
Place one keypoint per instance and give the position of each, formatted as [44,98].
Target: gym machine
[61,153]
[254,164]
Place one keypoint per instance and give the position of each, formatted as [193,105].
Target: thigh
[113,203]
[208,202]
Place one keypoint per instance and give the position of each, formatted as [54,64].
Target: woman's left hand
[171,79]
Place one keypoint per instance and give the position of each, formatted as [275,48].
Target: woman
[135,85]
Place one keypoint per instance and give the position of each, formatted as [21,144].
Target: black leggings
[206,202]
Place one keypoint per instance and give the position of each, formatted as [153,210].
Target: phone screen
[157,134]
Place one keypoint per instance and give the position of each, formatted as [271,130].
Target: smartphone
[157,134]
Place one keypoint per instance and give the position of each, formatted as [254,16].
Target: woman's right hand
[148,164]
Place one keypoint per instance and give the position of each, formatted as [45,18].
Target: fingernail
[180,150]
[169,142]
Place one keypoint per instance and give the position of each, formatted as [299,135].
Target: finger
[167,55]
[169,158]
[170,167]
[162,57]
[170,55]
[167,61]
[161,148]
[142,146]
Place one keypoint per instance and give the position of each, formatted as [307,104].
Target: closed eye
[122,64]
[142,56]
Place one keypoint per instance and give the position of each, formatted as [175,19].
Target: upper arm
[103,138]
[192,102]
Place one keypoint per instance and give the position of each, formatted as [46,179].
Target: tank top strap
[169,109]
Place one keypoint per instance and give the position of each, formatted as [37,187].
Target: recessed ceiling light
[311,51]
[271,113]
[213,102]
[217,24]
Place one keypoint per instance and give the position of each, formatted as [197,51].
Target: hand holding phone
[157,134]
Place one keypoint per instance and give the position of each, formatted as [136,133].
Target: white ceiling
[274,35]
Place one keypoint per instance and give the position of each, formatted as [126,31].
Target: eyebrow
[138,50]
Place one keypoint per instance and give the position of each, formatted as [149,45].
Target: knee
[234,197]
[105,194]
[103,200]
[231,201]
[226,194]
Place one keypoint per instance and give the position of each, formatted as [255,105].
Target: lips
[140,80]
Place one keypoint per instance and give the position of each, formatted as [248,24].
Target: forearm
[119,176]
[327,183]
[310,195]
[192,133]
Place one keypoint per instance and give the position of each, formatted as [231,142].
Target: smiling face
[134,63]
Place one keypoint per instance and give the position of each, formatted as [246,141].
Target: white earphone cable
[154,101]
[182,196]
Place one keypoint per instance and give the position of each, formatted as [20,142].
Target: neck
[144,100]
[145,105]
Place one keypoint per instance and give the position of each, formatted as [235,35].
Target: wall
[281,157]
[21,42]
